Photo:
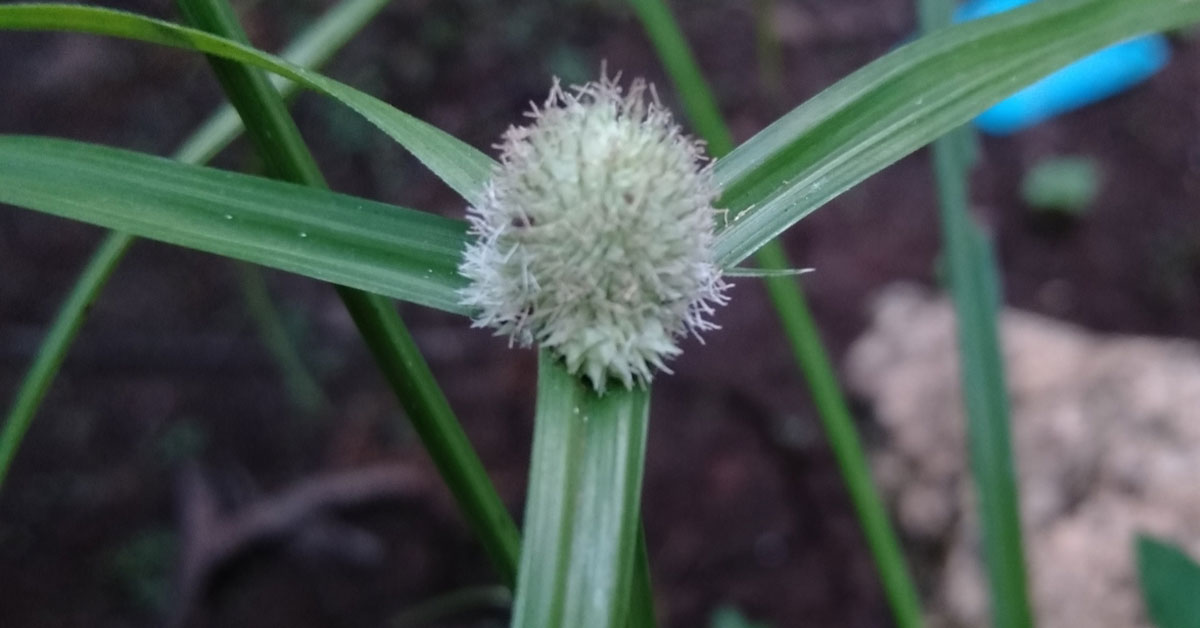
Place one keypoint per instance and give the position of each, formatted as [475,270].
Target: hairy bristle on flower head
[593,238]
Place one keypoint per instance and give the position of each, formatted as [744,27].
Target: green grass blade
[581,514]
[397,252]
[834,412]
[975,290]
[1170,580]
[401,363]
[462,167]
[908,98]
[285,157]
[269,126]
[303,389]
[54,348]
[276,138]
[312,48]
[676,56]
[800,329]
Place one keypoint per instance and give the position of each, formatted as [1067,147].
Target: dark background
[743,504]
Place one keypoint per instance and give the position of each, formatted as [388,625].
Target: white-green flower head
[594,235]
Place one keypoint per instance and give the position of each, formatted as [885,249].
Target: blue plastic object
[1093,78]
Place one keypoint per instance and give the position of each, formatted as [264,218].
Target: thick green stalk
[975,291]
[799,327]
[276,138]
[581,514]
[312,48]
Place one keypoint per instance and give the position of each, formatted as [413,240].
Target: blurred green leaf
[1170,584]
[142,568]
[181,441]
[975,287]
[1064,184]
[731,617]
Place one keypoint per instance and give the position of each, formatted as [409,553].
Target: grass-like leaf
[974,286]
[581,514]
[462,167]
[277,140]
[908,98]
[848,132]
[799,327]
[54,348]
[1170,582]
[312,47]
[380,248]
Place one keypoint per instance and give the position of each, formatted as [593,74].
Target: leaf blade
[459,165]
[799,328]
[276,139]
[905,100]
[312,47]
[1169,580]
[372,246]
[974,287]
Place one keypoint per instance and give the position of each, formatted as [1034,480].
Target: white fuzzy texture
[594,235]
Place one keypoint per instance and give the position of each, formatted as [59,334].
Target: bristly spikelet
[594,235]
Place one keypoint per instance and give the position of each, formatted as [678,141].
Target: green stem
[799,327]
[581,514]
[312,48]
[50,357]
[303,388]
[838,423]
[276,138]
[975,291]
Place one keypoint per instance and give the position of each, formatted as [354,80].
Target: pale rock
[1107,436]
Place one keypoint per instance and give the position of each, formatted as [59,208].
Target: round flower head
[594,235]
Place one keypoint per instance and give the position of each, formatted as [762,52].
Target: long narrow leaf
[459,165]
[581,515]
[908,98]
[277,140]
[799,327]
[41,373]
[381,248]
[313,47]
[974,288]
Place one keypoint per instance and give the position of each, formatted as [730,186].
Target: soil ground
[743,503]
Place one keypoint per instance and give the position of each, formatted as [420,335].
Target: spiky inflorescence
[594,235]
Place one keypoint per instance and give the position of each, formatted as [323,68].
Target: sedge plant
[677,223]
